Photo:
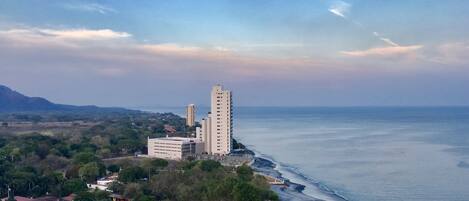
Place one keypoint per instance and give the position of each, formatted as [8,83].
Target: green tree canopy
[131,174]
[84,158]
[209,165]
[90,172]
[74,186]
[244,172]
[113,168]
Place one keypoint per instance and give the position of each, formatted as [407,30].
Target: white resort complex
[214,137]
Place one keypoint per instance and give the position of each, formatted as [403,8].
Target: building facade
[204,133]
[217,128]
[190,115]
[174,148]
[221,121]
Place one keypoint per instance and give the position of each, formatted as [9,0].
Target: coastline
[288,192]
[291,191]
[294,190]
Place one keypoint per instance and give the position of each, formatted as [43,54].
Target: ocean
[362,153]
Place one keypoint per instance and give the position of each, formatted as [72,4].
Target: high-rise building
[217,128]
[221,128]
[190,115]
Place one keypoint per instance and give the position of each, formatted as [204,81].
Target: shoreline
[291,191]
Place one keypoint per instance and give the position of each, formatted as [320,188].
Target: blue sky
[269,52]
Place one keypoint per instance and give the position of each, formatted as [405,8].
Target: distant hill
[12,101]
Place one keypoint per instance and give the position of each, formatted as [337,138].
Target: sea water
[363,153]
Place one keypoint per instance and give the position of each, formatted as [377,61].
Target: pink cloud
[110,53]
[384,51]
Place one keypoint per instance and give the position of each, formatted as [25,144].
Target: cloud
[92,7]
[64,34]
[111,53]
[389,41]
[340,8]
[87,34]
[272,45]
[172,48]
[119,70]
[384,51]
[449,53]
[386,40]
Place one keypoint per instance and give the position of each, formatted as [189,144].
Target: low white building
[103,183]
[174,148]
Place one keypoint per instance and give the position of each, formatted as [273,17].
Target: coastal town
[129,171]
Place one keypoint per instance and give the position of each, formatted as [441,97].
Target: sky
[268,52]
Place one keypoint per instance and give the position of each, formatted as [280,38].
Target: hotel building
[190,115]
[174,148]
[217,128]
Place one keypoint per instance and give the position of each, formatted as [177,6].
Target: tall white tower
[190,115]
[221,133]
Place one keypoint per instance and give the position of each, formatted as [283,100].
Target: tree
[129,145]
[89,172]
[84,158]
[113,168]
[159,163]
[74,186]
[100,195]
[116,187]
[133,191]
[244,172]
[245,191]
[73,172]
[131,174]
[15,153]
[153,165]
[42,150]
[209,165]
[84,196]
[52,162]
[54,182]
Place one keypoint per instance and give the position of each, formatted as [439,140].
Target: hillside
[13,101]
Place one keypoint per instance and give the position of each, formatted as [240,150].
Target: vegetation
[35,150]
[40,154]
[198,180]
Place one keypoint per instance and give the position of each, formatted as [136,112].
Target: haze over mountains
[13,101]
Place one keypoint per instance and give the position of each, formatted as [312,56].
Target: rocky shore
[290,191]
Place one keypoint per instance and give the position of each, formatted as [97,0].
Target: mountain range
[13,101]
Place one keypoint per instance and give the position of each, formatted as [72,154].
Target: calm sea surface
[363,153]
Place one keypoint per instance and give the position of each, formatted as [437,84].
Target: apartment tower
[204,133]
[220,122]
[190,115]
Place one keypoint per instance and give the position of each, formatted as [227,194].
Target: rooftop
[180,139]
